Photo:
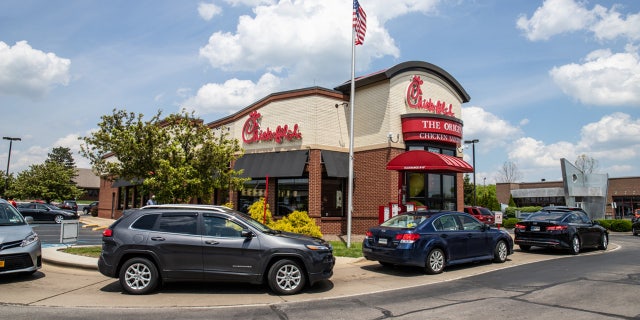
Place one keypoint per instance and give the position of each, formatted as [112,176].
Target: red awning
[420,160]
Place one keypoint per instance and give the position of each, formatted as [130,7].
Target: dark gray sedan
[46,212]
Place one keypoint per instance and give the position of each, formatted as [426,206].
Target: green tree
[48,181]
[178,158]
[468,191]
[63,156]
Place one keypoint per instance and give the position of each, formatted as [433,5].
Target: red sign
[431,129]
[251,132]
[415,100]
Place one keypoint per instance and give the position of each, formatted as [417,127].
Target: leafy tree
[62,155]
[48,181]
[257,212]
[177,158]
[468,190]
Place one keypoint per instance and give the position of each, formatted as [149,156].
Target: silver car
[20,247]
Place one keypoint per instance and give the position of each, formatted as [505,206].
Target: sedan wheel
[139,276]
[500,252]
[286,277]
[575,245]
[604,242]
[635,231]
[435,262]
[58,218]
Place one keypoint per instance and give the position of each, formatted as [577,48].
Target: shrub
[509,223]
[620,225]
[256,211]
[298,222]
[228,205]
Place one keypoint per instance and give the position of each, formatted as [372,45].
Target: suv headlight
[31,238]
[317,247]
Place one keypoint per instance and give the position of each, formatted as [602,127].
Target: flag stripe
[359,22]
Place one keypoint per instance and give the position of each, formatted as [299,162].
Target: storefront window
[252,192]
[333,197]
[439,194]
[293,195]
[626,206]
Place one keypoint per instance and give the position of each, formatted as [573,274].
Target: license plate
[382,241]
[1,263]
[535,228]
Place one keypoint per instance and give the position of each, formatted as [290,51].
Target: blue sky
[548,79]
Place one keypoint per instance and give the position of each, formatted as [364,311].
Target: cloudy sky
[548,79]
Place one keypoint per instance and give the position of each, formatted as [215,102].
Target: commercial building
[407,151]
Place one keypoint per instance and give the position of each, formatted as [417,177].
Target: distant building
[89,182]
[600,196]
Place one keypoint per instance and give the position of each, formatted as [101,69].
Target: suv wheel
[139,276]
[286,277]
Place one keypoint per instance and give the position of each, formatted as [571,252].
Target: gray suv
[162,243]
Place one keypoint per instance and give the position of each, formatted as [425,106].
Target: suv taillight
[407,237]
[107,233]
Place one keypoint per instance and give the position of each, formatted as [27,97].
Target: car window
[9,215]
[583,217]
[404,221]
[469,223]
[546,216]
[446,223]
[178,223]
[146,222]
[221,227]
[485,212]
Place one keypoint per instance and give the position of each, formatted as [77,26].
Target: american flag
[359,22]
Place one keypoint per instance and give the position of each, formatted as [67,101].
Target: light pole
[473,152]
[11,140]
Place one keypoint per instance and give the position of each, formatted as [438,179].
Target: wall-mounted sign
[415,100]
[431,129]
[251,131]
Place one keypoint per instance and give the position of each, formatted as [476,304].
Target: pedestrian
[13,202]
[151,201]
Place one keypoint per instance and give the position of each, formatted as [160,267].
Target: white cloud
[29,72]
[615,136]
[530,152]
[491,130]
[232,95]
[605,78]
[208,10]
[611,25]
[555,17]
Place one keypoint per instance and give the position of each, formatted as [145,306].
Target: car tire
[524,247]
[604,242]
[139,276]
[58,218]
[286,277]
[635,231]
[575,245]
[85,210]
[500,252]
[435,261]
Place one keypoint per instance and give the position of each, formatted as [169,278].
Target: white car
[20,247]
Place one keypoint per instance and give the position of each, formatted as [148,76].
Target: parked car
[87,208]
[70,205]
[46,212]
[161,243]
[483,214]
[20,247]
[560,227]
[434,240]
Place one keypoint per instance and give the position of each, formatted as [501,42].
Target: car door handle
[157,238]
[213,242]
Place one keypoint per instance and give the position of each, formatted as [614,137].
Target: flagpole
[351,108]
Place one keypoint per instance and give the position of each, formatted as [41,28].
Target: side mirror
[28,219]
[247,234]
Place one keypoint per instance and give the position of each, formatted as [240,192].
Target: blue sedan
[435,239]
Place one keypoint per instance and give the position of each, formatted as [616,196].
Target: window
[333,197]
[178,223]
[446,223]
[468,223]
[293,195]
[215,226]
[145,222]
[252,192]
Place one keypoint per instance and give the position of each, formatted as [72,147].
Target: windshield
[9,215]
[405,221]
[256,224]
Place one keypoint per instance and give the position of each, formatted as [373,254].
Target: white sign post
[498,219]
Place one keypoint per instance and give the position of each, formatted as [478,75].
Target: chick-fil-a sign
[251,132]
[416,101]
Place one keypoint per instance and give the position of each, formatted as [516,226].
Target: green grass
[339,250]
[90,251]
